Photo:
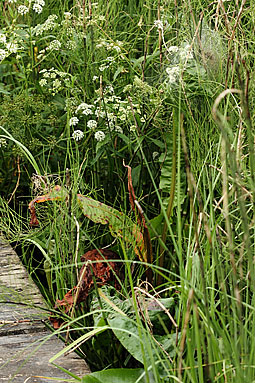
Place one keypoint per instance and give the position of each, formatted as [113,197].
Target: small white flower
[56,84]
[95,78]
[172,49]
[85,108]
[2,38]
[12,47]
[155,155]
[22,9]
[92,124]
[55,45]
[67,15]
[186,53]
[117,48]
[53,75]
[12,1]
[71,45]
[173,74]
[87,112]
[73,121]
[43,82]
[158,24]
[40,2]
[109,89]
[46,75]
[77,134]
[3,142]
[99,136]
[118,129]
[3,54]
[100,113]
[132,128]
[37,8]
[103,67]
[123,117]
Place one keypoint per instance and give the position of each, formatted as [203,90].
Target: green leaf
[156,226]
[116,375]
[117,72]
[132,335]
[166,160]
[136,175]
[120,225]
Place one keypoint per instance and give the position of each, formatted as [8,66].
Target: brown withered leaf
[98,266]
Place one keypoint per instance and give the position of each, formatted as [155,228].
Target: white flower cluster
[159,25]
[185,53]
[180,54]
[99,135]
[70,104]
[7,48]
[55,45]
[71,45]
[38,6]
[67,15]
[114,46]
[110,114]
[108,61]
[2,38]
[54,80]
[73,121]
[92,124]
[22,10]
[48,25]
[85,109]
[173,74]
[180,58]
[77,135]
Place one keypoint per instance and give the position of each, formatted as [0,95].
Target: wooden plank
[25,344]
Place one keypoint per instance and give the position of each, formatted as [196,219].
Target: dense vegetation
[142,112]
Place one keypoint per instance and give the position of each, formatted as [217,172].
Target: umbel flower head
[99,136]
[78,135]
[73,121]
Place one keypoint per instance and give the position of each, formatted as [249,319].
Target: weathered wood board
[26,345]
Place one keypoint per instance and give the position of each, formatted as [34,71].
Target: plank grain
[26,345]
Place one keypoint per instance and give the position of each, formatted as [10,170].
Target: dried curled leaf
[98,266]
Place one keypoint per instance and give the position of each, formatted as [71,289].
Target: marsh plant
[132,124]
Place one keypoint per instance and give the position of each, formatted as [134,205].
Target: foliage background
[168,88]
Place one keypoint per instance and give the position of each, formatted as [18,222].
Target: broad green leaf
[117,375]
[137,340]
[120,225]
[156,226]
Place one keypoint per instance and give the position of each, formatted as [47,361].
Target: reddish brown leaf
[47,197]
[97,266]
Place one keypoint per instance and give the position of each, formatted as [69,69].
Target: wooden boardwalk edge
[25,344]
